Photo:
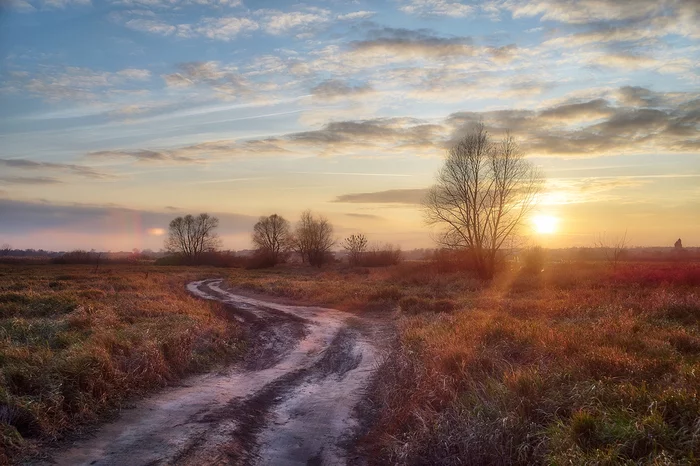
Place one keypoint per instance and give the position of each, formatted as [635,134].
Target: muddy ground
[292,401]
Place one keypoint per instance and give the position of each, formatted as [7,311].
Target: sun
[545,224]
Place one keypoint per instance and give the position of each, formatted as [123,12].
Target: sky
[118,115]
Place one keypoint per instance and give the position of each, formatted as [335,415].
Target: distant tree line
[193,240]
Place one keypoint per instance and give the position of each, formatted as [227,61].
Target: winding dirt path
[291,402]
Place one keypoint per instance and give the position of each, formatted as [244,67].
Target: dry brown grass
[581,364]
[75,344]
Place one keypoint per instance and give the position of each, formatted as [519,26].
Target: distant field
[75,344]
[580,364]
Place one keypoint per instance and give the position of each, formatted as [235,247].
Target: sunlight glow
[545,224]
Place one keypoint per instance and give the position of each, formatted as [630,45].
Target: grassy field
[579,364]
[75,345]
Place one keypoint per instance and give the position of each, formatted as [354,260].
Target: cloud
[355,15]
[407,43]
[56,83]
[35,180]
[30,217]
[615,130]
[588,11]
[278,22]
[152,26]
[225,80]
[224,29]
[81,170]
[576,112]
[334,88]
[504,54]
[200,153]
[22,6]
[166,4]
[625,121]
[29,6]
[393,196]
[438,8]
[143,155]
[221,27]
[365,216]
[377,136]
[636,96]
[135,74]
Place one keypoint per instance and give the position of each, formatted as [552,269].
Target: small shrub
[260,260]
[381,256]
[387,293]
[534,260]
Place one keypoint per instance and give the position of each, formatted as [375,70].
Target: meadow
[77,345]
[581,363]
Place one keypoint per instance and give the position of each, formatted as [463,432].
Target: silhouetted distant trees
[355,245]
[192,236]
[313,239]
[614,247]
[272,237]
[78,256]
[381,256]
[482,194]
[359,253]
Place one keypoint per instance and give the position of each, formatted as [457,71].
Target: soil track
[291,402]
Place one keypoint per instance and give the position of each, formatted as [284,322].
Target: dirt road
[291,402]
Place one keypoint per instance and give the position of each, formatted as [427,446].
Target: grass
[75,345]
[580,364]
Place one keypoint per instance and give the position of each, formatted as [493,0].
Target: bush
[261,260]
[77,257]
[453,260]
[534,260]
[381,257]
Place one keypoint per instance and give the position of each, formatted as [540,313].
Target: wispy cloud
[332,89]
[393,196]
[406,43]
[455,9]
[33,180]
[24,164]
[278,22]
[356,15]
[55,83]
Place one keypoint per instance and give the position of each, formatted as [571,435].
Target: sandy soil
[291,402]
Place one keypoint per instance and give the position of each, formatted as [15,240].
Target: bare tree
[313,239]
[5,249]
[355,245]
[191,236]
[481,196]
[613,247]
[272,238]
